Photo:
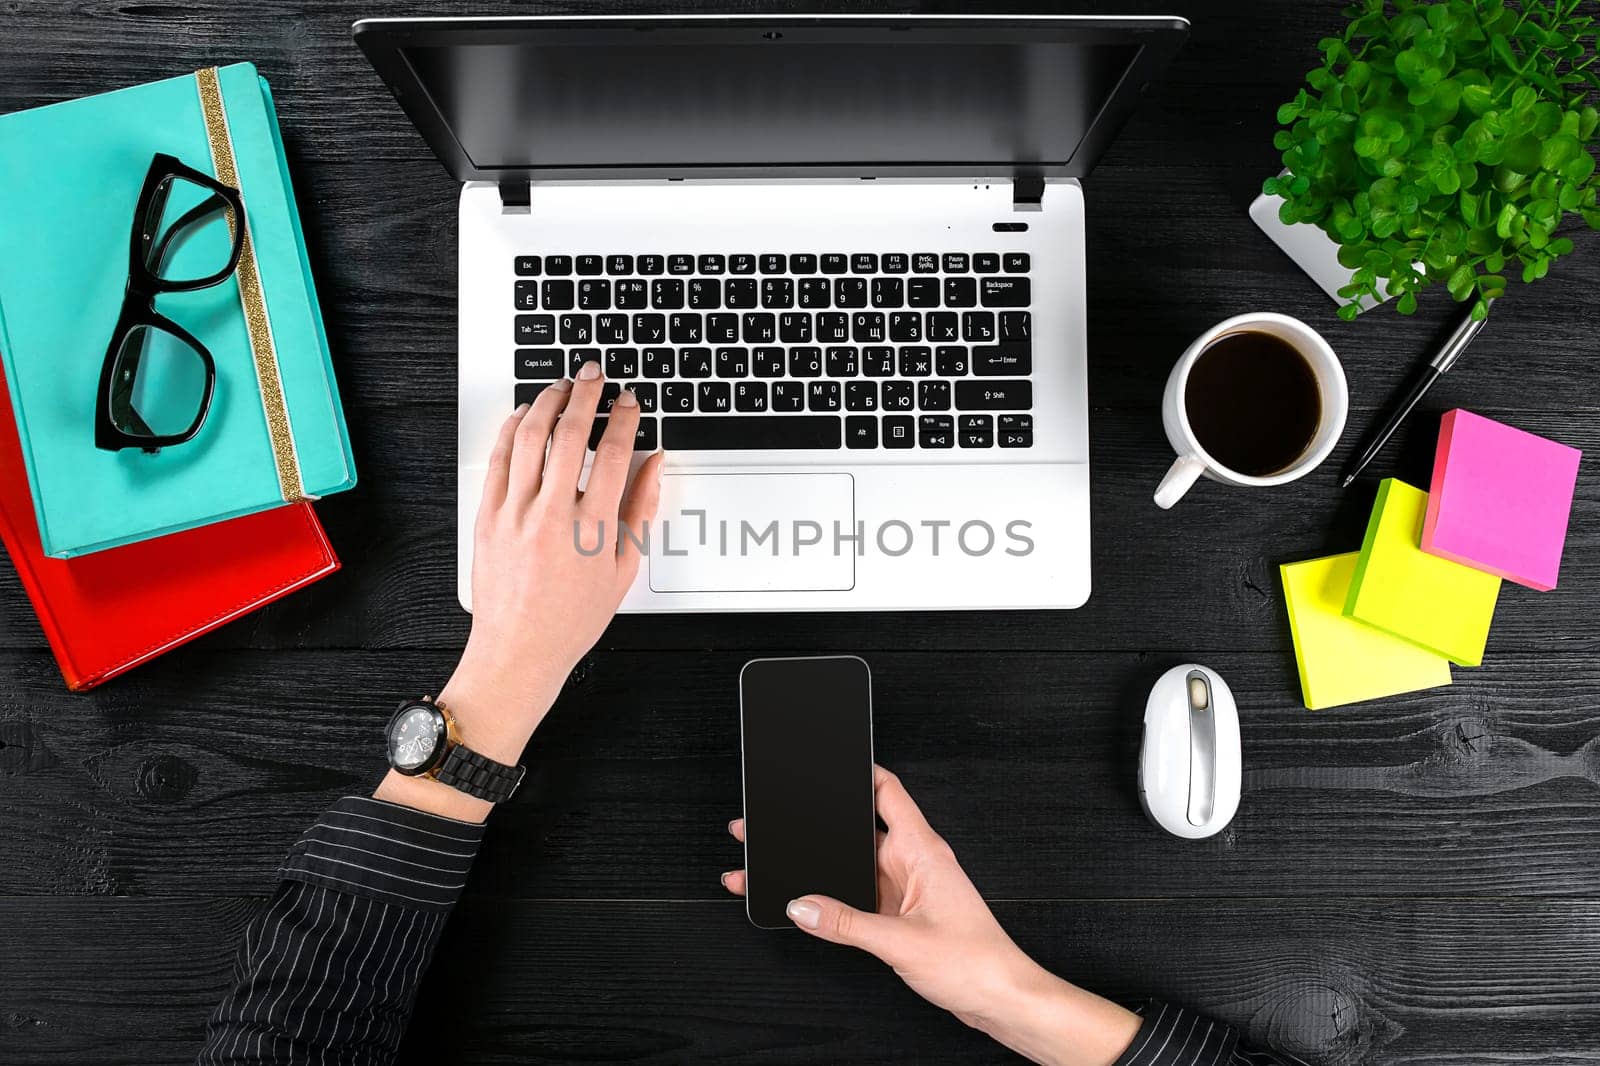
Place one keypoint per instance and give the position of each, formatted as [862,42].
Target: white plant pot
[1312,250]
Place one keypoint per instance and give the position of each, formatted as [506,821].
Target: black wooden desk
[1409,881]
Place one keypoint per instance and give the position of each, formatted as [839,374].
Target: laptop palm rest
[738,532]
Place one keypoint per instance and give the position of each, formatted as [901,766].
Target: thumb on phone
[828,919]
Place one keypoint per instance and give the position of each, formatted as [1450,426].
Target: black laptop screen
[793,103]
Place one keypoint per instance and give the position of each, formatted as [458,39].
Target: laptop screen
[799,100]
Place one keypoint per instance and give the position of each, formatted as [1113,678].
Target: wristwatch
[423,742]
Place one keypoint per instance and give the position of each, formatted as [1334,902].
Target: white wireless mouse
[1189,761]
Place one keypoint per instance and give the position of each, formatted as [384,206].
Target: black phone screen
[809,821]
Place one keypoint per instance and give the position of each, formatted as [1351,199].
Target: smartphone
[809,821]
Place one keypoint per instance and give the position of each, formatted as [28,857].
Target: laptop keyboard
[795,350]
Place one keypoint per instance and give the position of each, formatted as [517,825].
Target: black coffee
[1253,403]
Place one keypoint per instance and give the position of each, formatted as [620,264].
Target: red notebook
[108,612]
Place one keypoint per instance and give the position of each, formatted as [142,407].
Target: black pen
[1421,381]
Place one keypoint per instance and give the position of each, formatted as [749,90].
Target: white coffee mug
[1193,460]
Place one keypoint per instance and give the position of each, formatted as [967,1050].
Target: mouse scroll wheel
[1199,693]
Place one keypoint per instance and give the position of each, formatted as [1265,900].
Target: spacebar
[746,432]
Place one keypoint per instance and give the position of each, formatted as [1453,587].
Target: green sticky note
[1439,604]
[1341,660]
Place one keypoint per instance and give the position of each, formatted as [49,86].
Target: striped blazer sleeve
[1172,1036]
[328,971]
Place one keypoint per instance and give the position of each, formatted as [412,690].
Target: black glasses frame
[145,256]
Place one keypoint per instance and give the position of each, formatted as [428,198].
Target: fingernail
[589,371]
[521,410]
[804,914]
[564,385]
[725,877]
[626,398]
[731,824]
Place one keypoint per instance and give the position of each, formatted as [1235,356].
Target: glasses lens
[188,232]
[158,384]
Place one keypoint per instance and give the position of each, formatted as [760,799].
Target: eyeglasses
[157,380]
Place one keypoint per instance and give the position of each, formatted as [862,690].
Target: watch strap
[478,775]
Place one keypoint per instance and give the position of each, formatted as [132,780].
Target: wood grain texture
[1412,881]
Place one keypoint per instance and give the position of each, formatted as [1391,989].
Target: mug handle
[1181,476]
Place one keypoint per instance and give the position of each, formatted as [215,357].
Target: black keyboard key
[936,431]
[711,432]
[680,264]
[526,296]
[694,362]
[646,391]
[576,329]
[823,396]
[608,397]
[1016,325]
[933,395]
[558,264]
[529,393]
[976,431]
[651,264]
[666,294]
[805,362]
[1016,431]
[1006,292]
[685,327]
[611,329]
[589,265]
[528,265]
[866,327]
[899,395]
[815,293]
[888,292]
[774,263]
[1002,360]
[536,329]
[644,438]
[788,396]
[649,328]
[850,292]
[677,397]
[733,362]
[863,263]
[925,263]
[977,326]
[660,362]
[899,431]
[955,262]
[576,357]
[740,293]
[712,264]
[794,327]
[833,327]
[877,362]
[916,361]
[905,326]
[834,263]
[986,263]
[705,294]
[842,362]
[760,327]
[716,397]
[923,292]
[630,294]
[777,292]
[741,263]
[1016,262]
[994,395]
[803,264]
[556,295]
[750,397]
[543,363]
[622,362]
[895,262]
[950,361]
[860,431]
[722,327]
[960,292]
[860,396]
[767,362]
[942,326]
[619,264]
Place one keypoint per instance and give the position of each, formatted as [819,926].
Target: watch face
[415,737]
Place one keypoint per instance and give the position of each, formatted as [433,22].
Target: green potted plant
[1444,142]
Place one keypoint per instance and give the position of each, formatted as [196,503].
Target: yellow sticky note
[1342,660]
[1442,605]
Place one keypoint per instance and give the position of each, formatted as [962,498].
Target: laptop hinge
[1027,192]
[516,197]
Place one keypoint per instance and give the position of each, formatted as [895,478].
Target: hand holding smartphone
[810,826]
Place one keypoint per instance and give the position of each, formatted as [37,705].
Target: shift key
[1006,292]
[994,395]
[1002,360]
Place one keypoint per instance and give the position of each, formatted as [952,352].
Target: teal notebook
[70,174]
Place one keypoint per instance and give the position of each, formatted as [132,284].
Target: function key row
[775,263]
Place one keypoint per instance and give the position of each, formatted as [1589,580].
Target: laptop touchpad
[754,533]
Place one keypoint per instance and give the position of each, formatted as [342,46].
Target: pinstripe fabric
[1172,1036]
[328,972]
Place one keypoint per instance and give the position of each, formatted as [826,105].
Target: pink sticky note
[1500,499]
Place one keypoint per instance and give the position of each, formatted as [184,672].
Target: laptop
[839,259]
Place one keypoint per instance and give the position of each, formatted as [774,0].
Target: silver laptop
[840,259]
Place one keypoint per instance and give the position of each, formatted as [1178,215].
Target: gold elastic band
[257,324]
